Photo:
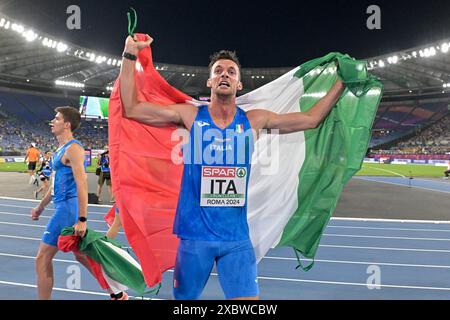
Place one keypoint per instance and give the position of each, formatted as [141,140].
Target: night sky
[264,34]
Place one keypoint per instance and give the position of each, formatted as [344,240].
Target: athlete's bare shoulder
[257,118]
[73,153]
[187,112]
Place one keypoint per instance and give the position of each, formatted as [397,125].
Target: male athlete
[69,192]
[210,228]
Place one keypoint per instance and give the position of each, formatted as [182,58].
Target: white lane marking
[393,229]
[363,262]
[18,237]
[329,226]
[4,254]
[325,234]
[41,216]
[9,283]
[382,237]
[35,239]
[391,220]
[47,209]
[322,245]
[332,218]
[262,278]
[346,283]
[278,258]
[33,258]
[403,185]
[356,284]
[398,174]
[280,279]
[37,201]
[20,199]
[383,248]
[41,226]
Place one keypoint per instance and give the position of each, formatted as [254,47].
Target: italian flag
[292,193]
[112,266]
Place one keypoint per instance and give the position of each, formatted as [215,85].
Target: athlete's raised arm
[147,112]
[297,121]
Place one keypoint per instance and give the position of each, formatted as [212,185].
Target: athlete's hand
[133,46]
[36,212]
[80,229]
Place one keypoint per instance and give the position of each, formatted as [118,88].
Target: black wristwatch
[82,219]
[129,56]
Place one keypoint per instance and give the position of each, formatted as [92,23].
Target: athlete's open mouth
[224,83]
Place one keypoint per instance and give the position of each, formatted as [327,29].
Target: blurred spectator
[31,159]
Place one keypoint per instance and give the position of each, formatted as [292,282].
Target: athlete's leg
[44,270]
[111,195]
[238,271]
[101,181]
[115,227]
[194,262]
[45,186]
[66,214]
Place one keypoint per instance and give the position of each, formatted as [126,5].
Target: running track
[413,260]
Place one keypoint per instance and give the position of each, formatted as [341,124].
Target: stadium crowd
[432,140]
[16,135]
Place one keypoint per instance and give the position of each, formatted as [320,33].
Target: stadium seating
[434,139]
[394,122]
[24,119]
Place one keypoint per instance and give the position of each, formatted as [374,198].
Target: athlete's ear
[240,86]
[208,83]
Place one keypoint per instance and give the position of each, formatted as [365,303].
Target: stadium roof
[33,60]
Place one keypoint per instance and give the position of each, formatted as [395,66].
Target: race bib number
[223,186]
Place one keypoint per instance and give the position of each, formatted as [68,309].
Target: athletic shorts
[66,215]
[43,178]
[102,180]
[236,267]
[32,165]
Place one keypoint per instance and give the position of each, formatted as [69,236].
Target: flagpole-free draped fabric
[292,197]
[111,265]
[296,179]
[144,179]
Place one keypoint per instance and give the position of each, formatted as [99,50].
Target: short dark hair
[71,115]
[224,55]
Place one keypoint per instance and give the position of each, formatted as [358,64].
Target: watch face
[82,219]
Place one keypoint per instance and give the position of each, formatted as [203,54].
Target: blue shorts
[66,215]
[236,266]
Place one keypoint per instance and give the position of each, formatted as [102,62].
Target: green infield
[397,170]
[22,167]
[368,169]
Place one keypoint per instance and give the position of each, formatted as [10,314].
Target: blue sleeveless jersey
[212,203]
[105,163]
[47,171]
[64,186]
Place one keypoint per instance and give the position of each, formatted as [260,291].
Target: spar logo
[223,172]
[219,172]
